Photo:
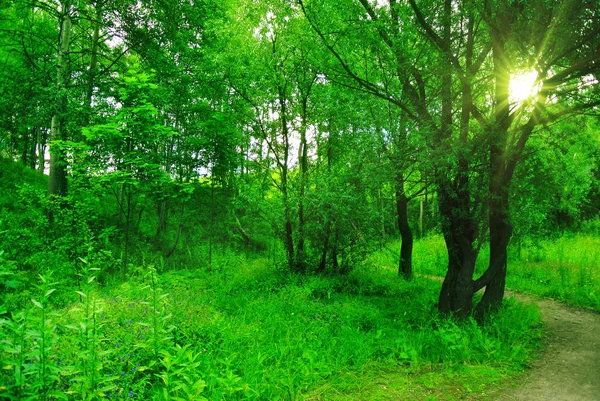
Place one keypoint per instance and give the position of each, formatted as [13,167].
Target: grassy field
[247,330]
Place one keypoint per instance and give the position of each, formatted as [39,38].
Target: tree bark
[283,165]
[57,181]
[500,229]
[41,150]
[405,263]
[303,161]
[323,262]
[457,291]
[91,81]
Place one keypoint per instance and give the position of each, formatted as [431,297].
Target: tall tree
[57,181]
[455,86]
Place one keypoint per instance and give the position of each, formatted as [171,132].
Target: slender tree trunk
[126,196]
[179,228]
[91,81]
[25,149]
[323,261]
[334,252]
[32,147]
[303,161]
[162,212]
[283,165]
[41,150]
[328,226]
[57,181]
[289,236]
[421,217]
[382,219]
[405,264]
[212,223]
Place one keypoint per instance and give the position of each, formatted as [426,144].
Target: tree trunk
[41,150]
[323,262]
[57,181]
[178,236]
[91,81]
[25,149]
[289,240]
[32,147]
[303,161]
[421,217]
[283,166]
[457,291]
[458,224]
[405,263]
[163,215]
[500,229]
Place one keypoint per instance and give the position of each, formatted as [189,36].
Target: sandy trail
[569,368]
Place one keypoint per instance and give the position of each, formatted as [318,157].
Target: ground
[569,368]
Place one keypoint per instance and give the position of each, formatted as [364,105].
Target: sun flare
[522,86]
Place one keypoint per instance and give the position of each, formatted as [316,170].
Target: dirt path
[569,368]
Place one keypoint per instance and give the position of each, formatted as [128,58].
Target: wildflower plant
[28,349]
[90,379]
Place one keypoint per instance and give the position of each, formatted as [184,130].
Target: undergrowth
[249,331]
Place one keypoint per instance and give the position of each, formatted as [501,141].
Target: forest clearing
[300,200]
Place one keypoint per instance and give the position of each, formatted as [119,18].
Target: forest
[297,199]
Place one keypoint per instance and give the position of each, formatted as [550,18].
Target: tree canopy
[315,129]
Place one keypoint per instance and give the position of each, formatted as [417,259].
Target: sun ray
[522,86]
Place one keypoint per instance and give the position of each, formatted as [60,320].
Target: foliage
[228,182]
[256,333]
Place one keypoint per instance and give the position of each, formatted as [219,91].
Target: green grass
[250,331]
[566,268]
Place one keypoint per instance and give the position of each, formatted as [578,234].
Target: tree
[279,92]
[127,149]
[26,101]
[468,51]
[374,68]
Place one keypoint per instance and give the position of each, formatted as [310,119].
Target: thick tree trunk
[458,225]
[494,278]
[405,263]
[500,229]
[457,291]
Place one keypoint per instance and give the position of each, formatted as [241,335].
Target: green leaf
[11,284]
[36,303]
